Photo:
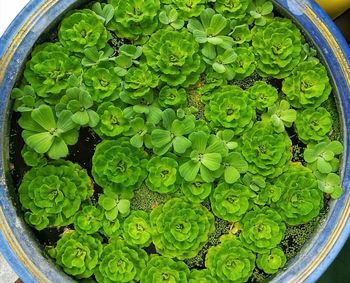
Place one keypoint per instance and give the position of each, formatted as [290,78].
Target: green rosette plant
[263,95]
[187,8]
[313,125]
[25,99]
[128,56]
[221,60]
[272,261]
[233,166]
[241,34]
[112,207]
[102,83]
[52,194]
[330,184]
[78,254]
[230,107]
[119,167]
[278,47]
[173,55]
[180,228]
[78,102]
[134,19]
[162,174]
[261,11]
[49,69]
[201,276]
[137,82]
[301,198]
[244,64]
[280,116]
[45,132]
[162,269]
[32,158]
[212,29]
[266,151]
[197,190]
[211,81]
[93,56]
[203,158]
[262,229]
[113,121]
[140,132]
[269,194]
[88,220]
[321,157]
[230,261]
[308,85]
[173,134]
[137,228]
[82,29]
[120,262]
[236,10]
[170,17]
[231,202]
[172,97]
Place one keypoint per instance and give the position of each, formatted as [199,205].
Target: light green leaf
[136,141]
[199,141]
[94,119]
[65,122]
[160,137]
[44,116]
[323,166]
[81,118]
[336,147]
[181,144]
[124,206]
[189,170]
[231,174]
[219,68]
[212,161]
[217,24]
[58,149]
[40,142]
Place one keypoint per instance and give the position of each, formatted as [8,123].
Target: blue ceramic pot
[17,242]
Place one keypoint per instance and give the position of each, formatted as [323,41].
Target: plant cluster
[198,107]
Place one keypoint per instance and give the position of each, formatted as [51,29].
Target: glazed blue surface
[22,232]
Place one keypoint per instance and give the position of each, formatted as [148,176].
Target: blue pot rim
[16,244]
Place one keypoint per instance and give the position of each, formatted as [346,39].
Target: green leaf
[183,127]
[81,118]
[212,161]
[199,141]
[217,24]
[163,18]
[124,206]
[160,137]
[206,17]
[310,155]
[136,141]
[289,115]
[189,170]
[108,12]
[58,149]
[336,147]
[323,166]
[219,68]
[44,116]
[267,8]
[231,174]
[40,142]
[195,26]
[94,119]
[181,144]
[65,122]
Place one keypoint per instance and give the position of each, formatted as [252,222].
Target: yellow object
[334,7]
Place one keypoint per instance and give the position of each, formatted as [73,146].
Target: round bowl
[17,242]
